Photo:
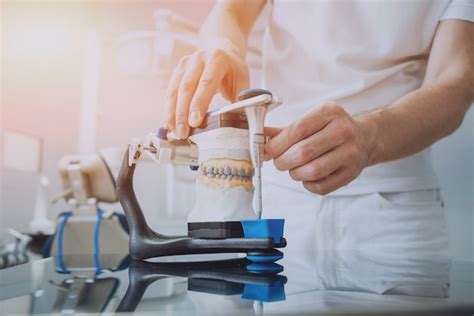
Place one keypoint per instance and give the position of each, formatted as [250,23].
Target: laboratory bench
[325,282]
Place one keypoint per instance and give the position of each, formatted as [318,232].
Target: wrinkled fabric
[400,223]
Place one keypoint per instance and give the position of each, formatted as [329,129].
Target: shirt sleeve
[459,10]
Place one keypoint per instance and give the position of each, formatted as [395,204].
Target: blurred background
[84,76]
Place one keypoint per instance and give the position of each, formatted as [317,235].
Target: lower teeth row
[229,177]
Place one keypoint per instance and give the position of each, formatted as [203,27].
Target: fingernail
[194,118]
[181,130]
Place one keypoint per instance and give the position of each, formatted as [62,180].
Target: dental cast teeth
[222,173]
[228,177]
[226,172]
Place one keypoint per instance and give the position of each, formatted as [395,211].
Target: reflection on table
[340,281]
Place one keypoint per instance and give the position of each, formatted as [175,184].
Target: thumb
[272,131]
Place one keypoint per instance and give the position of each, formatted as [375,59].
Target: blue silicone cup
[264,228]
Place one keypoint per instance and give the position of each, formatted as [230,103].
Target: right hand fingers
[172,94]
[214,71]
[194,83]
[186,89]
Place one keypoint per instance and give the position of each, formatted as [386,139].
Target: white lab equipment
[86,227]
[40,223]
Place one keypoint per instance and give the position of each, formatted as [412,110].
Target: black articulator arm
[145,243]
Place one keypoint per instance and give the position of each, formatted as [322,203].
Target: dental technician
[368,87]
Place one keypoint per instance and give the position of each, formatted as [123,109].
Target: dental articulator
[258,238]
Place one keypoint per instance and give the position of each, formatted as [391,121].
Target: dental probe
[256,121]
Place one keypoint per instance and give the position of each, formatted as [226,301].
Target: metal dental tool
[256,120]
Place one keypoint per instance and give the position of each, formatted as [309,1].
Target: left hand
[325,149]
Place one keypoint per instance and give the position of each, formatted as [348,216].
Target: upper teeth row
[226,171]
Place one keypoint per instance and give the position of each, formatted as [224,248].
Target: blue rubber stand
[264,228]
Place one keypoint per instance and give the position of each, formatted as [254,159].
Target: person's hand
[325,149]
[196,80]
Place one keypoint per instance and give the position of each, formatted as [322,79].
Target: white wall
[40,97]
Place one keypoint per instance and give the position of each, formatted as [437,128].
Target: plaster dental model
[224,189]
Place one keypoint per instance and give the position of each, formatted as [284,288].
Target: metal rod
[257,153]
[258,191]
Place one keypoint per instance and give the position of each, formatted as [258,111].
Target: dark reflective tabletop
[308,283]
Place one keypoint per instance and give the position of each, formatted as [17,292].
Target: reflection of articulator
[257,238]
[224,277]
[80,284]
[13,248]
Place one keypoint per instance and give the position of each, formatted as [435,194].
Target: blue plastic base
[264,228]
